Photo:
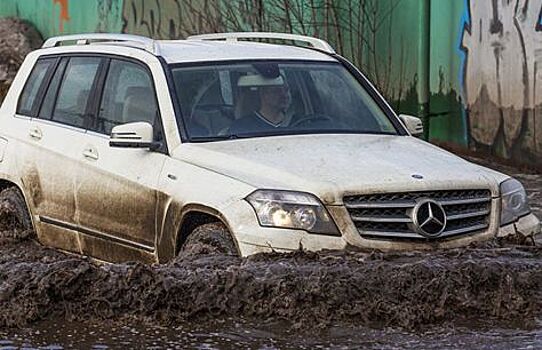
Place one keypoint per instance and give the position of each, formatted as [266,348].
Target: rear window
[32,87]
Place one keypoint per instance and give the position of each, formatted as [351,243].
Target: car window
[128,97]
[208,100]
[341,100]
[34,82]
[263,98]
[74,92]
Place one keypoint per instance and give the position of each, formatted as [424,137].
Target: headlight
[295,210]
[514,201]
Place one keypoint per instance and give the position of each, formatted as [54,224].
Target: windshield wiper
[286,133]
[214,138]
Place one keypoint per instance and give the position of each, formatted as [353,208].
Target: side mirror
[132,135]
[413,124]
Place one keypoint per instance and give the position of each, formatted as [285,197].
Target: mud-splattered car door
[117,187]
[55,133]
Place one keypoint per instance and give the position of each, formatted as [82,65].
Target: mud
[17,39]
[307,289]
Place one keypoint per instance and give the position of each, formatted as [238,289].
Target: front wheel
[213,238]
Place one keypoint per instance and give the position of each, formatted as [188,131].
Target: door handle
[91,153]
[35,133]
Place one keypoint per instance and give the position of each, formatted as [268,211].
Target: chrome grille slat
[388,215]
[413,203]
[478,227]
[381,205]
[467,215]
[464,201]
[387,234]
[380,219]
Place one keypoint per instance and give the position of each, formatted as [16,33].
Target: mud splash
[492,282]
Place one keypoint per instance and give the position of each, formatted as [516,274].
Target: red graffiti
[63,13]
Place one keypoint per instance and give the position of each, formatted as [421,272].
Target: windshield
[274,98]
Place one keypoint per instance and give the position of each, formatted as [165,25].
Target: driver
[273,95]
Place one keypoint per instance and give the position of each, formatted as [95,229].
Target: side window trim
[97,90]
[98,96]
[95,96]
[55,96]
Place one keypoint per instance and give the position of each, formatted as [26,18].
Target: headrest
[139,92]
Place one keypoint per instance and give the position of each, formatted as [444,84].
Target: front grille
[388,215]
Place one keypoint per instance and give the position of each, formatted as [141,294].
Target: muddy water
[486,296]
[237,335]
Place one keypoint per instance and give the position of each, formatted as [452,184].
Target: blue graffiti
[462,52]
[539,24]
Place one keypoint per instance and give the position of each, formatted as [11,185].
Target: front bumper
[252,238]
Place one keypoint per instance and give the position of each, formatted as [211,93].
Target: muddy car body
[122,148]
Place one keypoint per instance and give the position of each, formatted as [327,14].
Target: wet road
[489,296]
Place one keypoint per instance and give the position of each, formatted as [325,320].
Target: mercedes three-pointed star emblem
[429,218]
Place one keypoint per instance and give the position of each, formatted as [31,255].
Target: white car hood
[331,166]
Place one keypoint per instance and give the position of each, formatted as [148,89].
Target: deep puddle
[486,296]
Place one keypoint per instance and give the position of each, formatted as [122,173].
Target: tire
[213,238]
[14,199]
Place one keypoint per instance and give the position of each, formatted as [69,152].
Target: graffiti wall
[502,76]
[485,56]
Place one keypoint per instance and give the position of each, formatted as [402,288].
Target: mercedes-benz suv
[125,148]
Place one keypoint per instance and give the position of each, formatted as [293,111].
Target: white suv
[125,148]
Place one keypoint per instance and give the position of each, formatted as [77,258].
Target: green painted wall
[53,17]
[448,119]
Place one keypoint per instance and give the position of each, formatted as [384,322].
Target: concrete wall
[485,56]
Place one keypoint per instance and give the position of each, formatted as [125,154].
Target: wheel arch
[6,182]
[192,218]
[180,221]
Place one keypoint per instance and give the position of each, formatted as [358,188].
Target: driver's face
[276,96]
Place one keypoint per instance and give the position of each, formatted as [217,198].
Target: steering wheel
[310,119]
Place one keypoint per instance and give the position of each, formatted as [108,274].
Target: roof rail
[143,42]
[316,43]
